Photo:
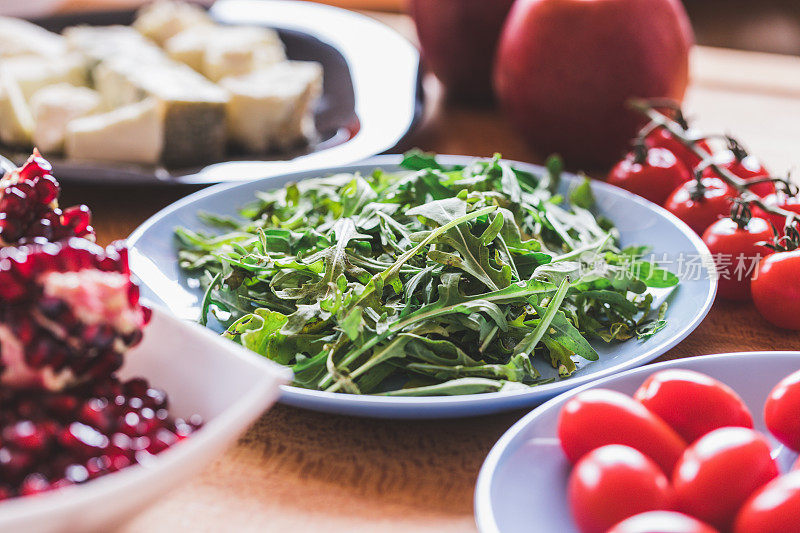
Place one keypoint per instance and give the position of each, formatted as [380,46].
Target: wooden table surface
[303,471]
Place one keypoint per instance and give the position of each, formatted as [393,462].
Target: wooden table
[303,471]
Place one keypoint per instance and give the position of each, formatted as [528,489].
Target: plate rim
[483,513]
[453,406]
[372,137]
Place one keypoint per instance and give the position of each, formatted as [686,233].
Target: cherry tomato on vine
[720,471]
[701,207]
[651,173]
[776,291]
[735,253]
[597,417]
[782,201]
[775,508]
[612,483]
[661,138]
[782,411]
[692,403]
[748,168]
[662,522]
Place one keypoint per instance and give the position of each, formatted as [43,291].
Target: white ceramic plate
[522,485]
[202,373]
[371,97]
[154,261]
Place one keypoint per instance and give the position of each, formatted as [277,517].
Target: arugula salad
[432,281]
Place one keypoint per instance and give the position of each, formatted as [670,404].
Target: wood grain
[302,471]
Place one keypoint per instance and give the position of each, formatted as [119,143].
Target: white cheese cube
[56,106]
[223,51]
[21,38]
[238,50]
[162,19]
[194,108]
[32,72]
[16,122]
[97,43]
[133,133]
[273,107]
[189,46]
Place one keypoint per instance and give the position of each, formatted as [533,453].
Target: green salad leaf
[437,280]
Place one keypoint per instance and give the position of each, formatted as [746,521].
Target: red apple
[458,40]
[565,69]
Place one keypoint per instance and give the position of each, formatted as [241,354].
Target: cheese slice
[54,107]
[273,108]
[133,133]
[164,18]
[97,43]
[194,108]
[21,38]
[16,121]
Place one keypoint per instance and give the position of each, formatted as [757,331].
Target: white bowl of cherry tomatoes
[700,445]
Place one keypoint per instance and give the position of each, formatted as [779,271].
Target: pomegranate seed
[25,435]
[28,208]
[35,166]
[13,201]
[47,188]
[77,217]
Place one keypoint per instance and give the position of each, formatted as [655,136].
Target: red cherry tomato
[736,254]
[699,211]
[782,411]
[612,483]
[775,508]
[597,417]
[776,291]
[748,168]
[720,471]
[661,138]
[692,403]
[783,201]
[661,522]
[653,177]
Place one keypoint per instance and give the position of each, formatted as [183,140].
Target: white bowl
[202,373]
[522,486]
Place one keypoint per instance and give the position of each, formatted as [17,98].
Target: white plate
[202,373]
[523,482]
[154,261]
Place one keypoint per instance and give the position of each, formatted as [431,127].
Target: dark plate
[371,100]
